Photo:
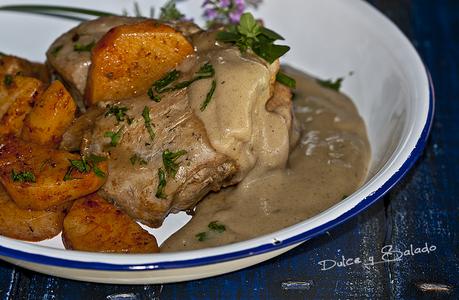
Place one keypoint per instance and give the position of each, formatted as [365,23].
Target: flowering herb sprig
[226,11]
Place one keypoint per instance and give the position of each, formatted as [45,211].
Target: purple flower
[225,3]
[210,13]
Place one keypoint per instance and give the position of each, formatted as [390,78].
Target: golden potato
[38,178]
[93,224]
[129,58]
[50,117]
[13,65]
[29,225]
[17,97]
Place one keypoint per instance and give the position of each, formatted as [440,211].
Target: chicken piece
[29,225]
[133,183]
[93,224]
[13,65]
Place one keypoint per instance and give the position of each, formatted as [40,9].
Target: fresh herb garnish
[8,80]
[137,158]
[248,34]
[161,184]
[164,84]
[56,50]
[286,80]
[170,161]
[169,12]
[114,136]
[85,165]
[202,236]
[331,84]
[148,125]
[119,112]
[215,226]
[25,176]
[84,48]
[159,85]
[209,95]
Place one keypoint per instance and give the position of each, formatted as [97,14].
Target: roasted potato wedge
[29,225]
[38,178]
[50,117]
[17,97]
[14,65]
[129,58]
[93,224]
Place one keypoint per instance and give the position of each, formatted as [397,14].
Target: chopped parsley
[170,170]
[119,112]
[286,80]
[85,165]
[170,161]
[8,80]
[161,184]
[202,236]
[25,176]
[114,136]
[164,84]
[148,125]
[209,95]
[137,158]
[84,48]
[159,85]
[169,12]
[331,84]
[215,226]
[56,50]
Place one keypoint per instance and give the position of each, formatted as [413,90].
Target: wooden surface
[423,208]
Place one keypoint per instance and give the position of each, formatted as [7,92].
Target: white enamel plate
[328,38]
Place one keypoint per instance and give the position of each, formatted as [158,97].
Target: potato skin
[129,58]
[93,224]
[49,167]
[50,117]
[16,101]
[29,225]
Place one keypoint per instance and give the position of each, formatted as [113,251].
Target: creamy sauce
[330,162]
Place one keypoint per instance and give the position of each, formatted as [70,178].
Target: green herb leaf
[209,95]
[84,48]
[202,236]
[25,176]
[161,184]
[98,172]
[136,158]
[331,84]
[119,112]
[286,80]
[215,226]
[250,35]
[160,85]
[148,125]
[170,161]
[205,71]
[81,165]
[169,12]
[114,136]
[270,52]
[8,80]
[56,50]
[59,11]
[248,26]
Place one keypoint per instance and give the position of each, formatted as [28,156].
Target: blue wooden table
[421,212]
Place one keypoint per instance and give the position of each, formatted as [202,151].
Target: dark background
[422,208]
